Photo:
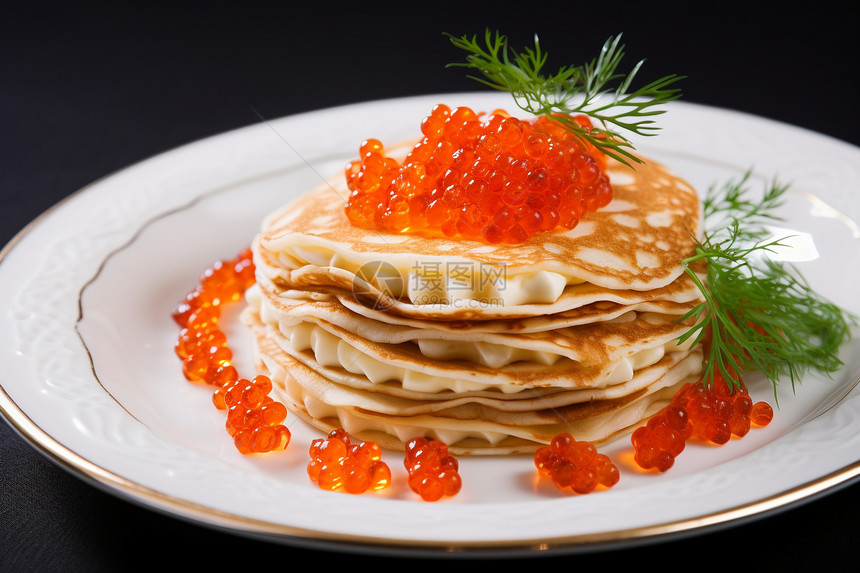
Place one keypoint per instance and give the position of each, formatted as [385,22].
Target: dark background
[89,88]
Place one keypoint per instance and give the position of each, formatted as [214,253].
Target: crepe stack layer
[490,348]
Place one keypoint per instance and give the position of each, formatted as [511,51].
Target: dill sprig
[583,89]
[758,312]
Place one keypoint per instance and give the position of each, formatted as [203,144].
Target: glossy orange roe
[338,463]
[432,472]
[711,414]
[254,420]
[202,345]
[490,177]
[575,464]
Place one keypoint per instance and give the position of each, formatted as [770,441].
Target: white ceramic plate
[91,380]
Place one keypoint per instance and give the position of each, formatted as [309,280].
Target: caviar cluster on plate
[254,419]
[490,177]
[433,472]
[336,463]
[712,414]
[202,345]
[575,464]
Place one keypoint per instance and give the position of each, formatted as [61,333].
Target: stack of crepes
[489,348]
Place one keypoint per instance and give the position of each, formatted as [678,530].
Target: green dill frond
[586,89]
[758,313]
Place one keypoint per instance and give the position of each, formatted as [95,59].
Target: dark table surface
[86,90]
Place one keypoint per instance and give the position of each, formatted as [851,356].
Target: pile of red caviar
[336,462]
[710,414]
[202,345]
[254,420]
[432,472]
[575,464]
[491,176]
